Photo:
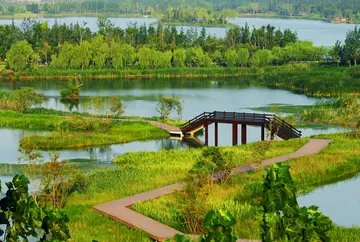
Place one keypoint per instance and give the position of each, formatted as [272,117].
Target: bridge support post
[262,132]
[216,134]
[235,134]
[206,126]
[243,134]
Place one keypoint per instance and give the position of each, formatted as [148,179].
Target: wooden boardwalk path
[121,211]
[168,128]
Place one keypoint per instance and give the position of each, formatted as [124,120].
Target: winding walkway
[120,210]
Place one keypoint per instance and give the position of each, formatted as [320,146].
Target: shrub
[282,218]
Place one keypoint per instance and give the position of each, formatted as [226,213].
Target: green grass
[283,108]
[179,23]
[72,133]
[241,196]
[135,173]
[312,80]
[119,132]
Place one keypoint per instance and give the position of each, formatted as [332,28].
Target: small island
[73,90]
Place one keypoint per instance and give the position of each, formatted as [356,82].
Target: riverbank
[280,16]
[64,15]
[311,80]
[195,24]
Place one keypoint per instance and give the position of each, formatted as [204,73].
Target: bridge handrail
[284,124]
[235,116]
[197,118]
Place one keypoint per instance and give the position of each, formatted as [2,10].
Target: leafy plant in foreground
[218,227]
[23,218]
[282,218]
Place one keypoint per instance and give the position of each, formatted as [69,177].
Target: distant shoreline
[269,16]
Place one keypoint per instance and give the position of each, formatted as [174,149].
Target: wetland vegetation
[64,193]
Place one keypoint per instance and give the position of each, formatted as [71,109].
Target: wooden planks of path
[120,210]
[168,128]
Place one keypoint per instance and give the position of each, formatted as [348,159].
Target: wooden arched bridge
[274,124]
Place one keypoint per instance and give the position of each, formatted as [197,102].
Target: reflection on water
[339,201]
[199,95]
[10,139]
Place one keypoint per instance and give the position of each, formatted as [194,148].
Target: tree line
[141,47]
[329,9]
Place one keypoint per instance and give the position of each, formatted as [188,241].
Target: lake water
[339,201]
[10,140]
[198,95]
[320,32]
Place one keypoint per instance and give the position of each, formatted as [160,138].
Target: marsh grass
[76,131]
[293,109]
[119,132]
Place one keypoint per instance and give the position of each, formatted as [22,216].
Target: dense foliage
[22,217]
[76,47]
[283,219]
[327,9]
[19,99]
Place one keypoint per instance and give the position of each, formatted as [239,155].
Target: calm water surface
[10,140]
[320,32]
[199,95]
[339,201]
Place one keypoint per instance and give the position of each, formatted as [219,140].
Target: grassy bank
[344,110]
[64,15]
[76,131]
[120,132]
[41,73]
[241,196]
[280,16]
[309,79]
[228,25]
[293,109]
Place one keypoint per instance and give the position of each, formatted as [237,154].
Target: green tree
[145,57]
[168,104]
[19,55]
[25,97]
[164,59]
[117,55]
[261,58]
[128,54]
[116,106]
[278,54]
[179,57]
[243,56]
[100,51]
[85,54]
[231,58]
[64,57]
